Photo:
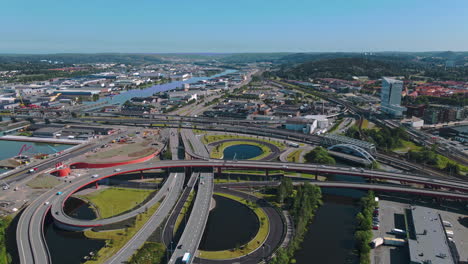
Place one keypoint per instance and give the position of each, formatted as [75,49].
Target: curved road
[273,240]
[32,248]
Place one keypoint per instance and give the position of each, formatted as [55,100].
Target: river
[330,236]
[127,95]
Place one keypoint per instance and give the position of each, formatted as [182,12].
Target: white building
[322,121]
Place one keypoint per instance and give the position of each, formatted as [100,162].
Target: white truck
[376,242]
[397,231]
[186,258]
[447,223]
[449,233]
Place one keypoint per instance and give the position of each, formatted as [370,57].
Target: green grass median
[116,239]
[114,201]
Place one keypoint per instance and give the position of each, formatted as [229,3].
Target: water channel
[230,224]
[330,236]
[10,149]
[241,152]
[71,247]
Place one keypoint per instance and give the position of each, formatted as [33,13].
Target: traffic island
[114,201]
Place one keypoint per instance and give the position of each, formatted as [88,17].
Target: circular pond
[241,152]
[230,224]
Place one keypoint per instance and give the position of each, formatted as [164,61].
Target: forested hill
[345,68]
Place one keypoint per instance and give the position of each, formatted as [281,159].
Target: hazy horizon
[209,26]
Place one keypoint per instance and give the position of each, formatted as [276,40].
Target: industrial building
[428,241]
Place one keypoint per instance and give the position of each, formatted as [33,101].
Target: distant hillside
[71,58]
[345,68]
[253,57]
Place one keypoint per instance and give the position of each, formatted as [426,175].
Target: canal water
[241,152]
[127,95]
[10,149]
[71,247]
[230,224]
[330,236]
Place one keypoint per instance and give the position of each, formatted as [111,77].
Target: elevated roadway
[353,185]
[32,248]
[261,130]
[137,241]
[193,232]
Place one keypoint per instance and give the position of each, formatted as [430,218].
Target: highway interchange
[33,249]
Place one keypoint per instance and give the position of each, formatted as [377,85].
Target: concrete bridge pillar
[188,172]
[267,174]
[316,175]
[219,171]
[141,175]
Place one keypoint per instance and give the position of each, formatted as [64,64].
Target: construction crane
[21,98]
[53,98]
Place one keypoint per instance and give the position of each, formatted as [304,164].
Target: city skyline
[213,27]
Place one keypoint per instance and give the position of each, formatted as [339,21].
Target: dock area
[43,140]
[10,163]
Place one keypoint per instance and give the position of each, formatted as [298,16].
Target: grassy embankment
[114,201]
[253,244]
[149,253]
[116,239]
[4,223]
[294,156]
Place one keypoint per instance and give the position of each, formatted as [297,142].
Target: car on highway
[46,203]
[285,166]
[59,193]
[95,176]
[117,170]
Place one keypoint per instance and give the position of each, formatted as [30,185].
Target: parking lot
[392,215]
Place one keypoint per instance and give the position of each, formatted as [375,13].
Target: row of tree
[384,138]
[4,255]
[363,234]
[302,202]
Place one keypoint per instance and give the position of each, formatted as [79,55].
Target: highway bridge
[433,182]
[258,130]
[193,232]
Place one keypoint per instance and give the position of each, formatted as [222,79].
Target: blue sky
[53,26]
